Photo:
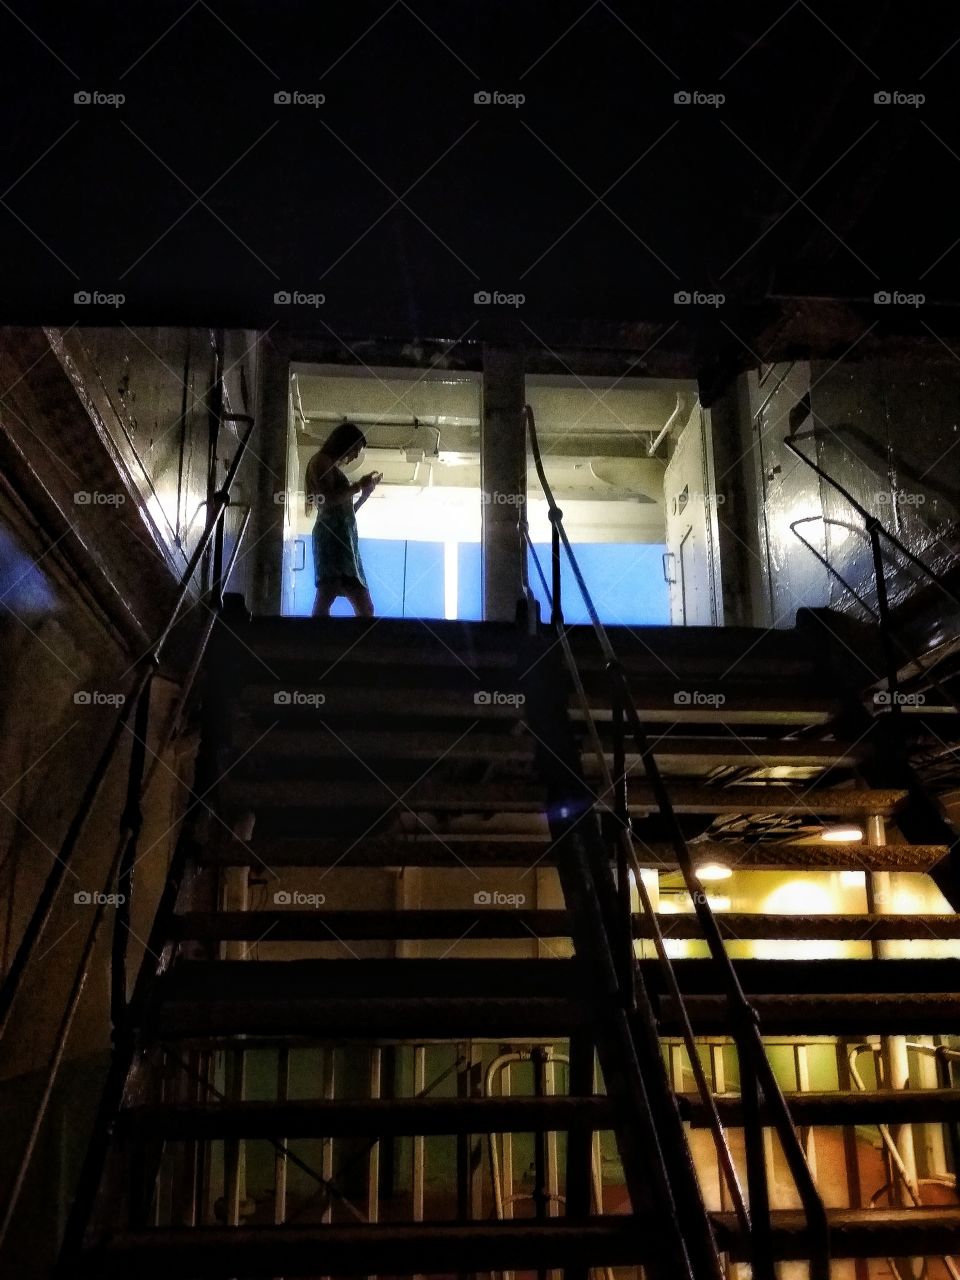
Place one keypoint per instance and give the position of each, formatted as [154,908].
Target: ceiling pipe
[655,444]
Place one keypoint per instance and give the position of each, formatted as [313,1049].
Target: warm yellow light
[718,902]
[713,871]
[841,835]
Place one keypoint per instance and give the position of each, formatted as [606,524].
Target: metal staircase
[317,1023]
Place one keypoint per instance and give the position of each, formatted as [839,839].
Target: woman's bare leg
[326,594]
[360,598]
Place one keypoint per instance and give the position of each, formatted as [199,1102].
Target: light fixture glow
[713,871]
[841,835]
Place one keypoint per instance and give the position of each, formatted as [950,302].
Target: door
[689,563]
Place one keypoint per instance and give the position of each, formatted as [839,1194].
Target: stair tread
[384,1248]
[530,796]
[484,921]
[854,1233]
[880,1012]
[877,1106]
[518,1244]
[476,850]
[370,1117]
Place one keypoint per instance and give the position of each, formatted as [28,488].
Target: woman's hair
[342,439]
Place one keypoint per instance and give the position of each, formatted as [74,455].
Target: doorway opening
[419,532]
[630,464]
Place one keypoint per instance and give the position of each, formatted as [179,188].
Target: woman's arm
[321,485]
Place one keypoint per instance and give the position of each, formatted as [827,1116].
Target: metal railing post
[765,1087]
[131,824]
[556,611]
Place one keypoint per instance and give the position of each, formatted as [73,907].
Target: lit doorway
[419,532]
[608,448]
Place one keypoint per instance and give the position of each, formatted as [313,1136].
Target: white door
[689,564]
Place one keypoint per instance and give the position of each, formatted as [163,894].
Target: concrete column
[270,443]
[503,479]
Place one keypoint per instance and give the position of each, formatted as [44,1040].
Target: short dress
[336,550]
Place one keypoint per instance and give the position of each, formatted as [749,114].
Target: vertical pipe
[718,1077]
[328,1067]
[233,1172]
[540,1202]
[802,1067]
[373,1168]
[579,1141]
[893,1049]
[506,1147]
[419,1142]
[280,1158]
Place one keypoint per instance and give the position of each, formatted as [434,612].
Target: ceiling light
[713,871]
[841,835]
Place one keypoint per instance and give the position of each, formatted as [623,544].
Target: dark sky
[199,197]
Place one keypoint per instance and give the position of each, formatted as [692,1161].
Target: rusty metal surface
[856,1233]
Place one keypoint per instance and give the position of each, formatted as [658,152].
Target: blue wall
[406,581]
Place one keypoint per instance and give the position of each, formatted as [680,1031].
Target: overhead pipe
[655,444]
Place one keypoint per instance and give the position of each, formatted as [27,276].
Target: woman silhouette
[338,570]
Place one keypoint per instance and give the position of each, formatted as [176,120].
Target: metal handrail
[130,822]
[625,844]
[744,1018]
[867,608]
[876,530]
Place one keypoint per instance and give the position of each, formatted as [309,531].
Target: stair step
[396,1019]
[511,851]
[486,921]
[816,979]
[376,1118]
[847,928]
[882,1013]
[505,795]
[671,750]
[432,1248]
[285,745]
[370,999]
[854,1233]
[770,855]
[882,1106]
[360,979]
[760,704]
[219,1253]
